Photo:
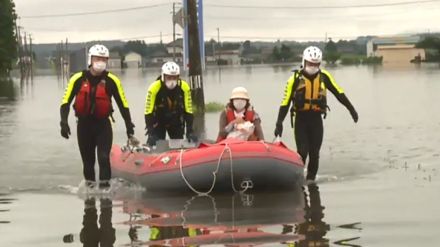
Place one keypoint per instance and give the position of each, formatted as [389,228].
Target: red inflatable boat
[231,165]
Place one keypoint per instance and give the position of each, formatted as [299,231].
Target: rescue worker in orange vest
[93,90]
[238,111]
[168,107]
[306,89]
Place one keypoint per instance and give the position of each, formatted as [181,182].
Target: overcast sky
[236,20]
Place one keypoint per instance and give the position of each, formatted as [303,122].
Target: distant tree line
[431,44]
[140,47]
[8,41]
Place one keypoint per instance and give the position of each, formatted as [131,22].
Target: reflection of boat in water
[231,165]
[221,219]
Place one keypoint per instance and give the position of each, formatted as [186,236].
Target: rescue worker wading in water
[93,90]
[237,111]
[307,90]
[168,107]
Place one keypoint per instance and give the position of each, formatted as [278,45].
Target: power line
[329,16]
[139,37]
[322,7]
[95,12]
[287,38]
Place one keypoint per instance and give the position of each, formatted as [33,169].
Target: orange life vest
[249,115]
[93,101]
[310,95]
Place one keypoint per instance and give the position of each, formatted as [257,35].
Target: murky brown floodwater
[378,181]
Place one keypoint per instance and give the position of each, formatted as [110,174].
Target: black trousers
[174,131]
[309,132]
[95,135]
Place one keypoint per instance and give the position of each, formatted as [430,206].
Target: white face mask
[239,104]
[99,66]
[171,84]
[311,70]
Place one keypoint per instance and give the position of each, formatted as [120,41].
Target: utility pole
[66,64]
[31,54]
[26,55]
[174,32]
[195,68]
[20,58]
[219,46]
[161,37]
[193,41]
[62,58]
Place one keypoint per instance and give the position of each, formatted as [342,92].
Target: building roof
[228,52]
[396,40]
[114,54]
[133,53]
[160,53]
[177,42]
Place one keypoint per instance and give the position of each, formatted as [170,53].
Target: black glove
[130,129]
[278,129]
[65,130]
[191,137]
[354,115]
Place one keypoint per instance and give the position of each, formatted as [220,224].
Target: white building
[133,60]
[397,49]
[232,57]
[176,46]
[114,61]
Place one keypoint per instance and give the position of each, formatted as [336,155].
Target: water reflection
[5,201]
[7,89]
[221,219]
[93,234]
[294,218]
[313,228]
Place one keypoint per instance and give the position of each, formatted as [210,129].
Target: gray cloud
[234,23]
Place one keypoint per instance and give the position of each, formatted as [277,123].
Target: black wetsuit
[309,128]
[96,133]
[168,111]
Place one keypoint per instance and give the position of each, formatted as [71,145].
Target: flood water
[378,183]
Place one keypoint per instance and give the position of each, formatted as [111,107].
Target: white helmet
[170,68]
[312,54]
[97,50]
[239,93]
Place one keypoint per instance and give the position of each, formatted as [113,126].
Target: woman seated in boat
[239,120]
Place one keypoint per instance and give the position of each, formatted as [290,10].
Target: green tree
[8,41]
[137,46]
[276,55]
[285,53]
[431,42]
[331,54]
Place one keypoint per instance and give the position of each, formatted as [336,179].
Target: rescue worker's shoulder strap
[184,85]
[119,89]
[155,86]
[186,96]
[331,84]
[150,100]
[67,98]
[296,76]
[292,83]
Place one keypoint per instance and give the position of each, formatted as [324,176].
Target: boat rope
[245,185]
[188,203]
[214,173]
